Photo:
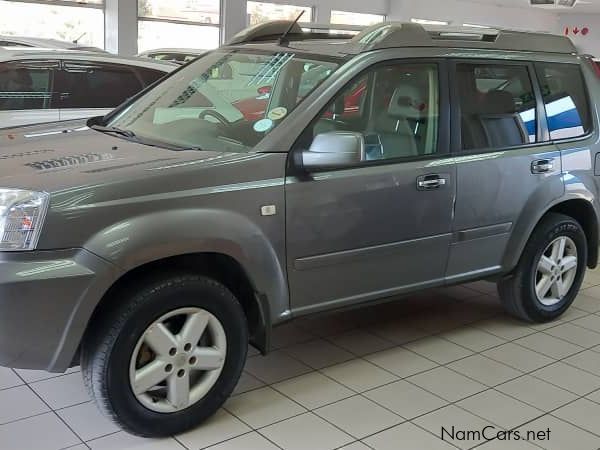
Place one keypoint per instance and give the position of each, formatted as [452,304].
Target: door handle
[542,166]
[429,182]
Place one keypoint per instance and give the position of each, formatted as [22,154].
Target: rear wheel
[550,272]
[168,357]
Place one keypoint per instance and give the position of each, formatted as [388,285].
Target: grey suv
[285,174]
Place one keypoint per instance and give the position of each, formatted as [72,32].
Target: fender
[526,223]
[147,238]
[158,235]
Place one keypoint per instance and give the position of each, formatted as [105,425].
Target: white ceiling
[581,7]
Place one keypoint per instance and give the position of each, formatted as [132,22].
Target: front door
[383,226]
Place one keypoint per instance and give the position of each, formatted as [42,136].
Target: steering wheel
[217,115]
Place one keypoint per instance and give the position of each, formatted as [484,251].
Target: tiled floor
[385,377]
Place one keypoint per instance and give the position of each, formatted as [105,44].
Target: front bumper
[46,301]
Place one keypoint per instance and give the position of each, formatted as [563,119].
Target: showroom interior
[218,156]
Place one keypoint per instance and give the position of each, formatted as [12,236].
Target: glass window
[498,107]
[97,86]
[150,76]
[26,85]
[153,34]
[197,11]
[226,100]
[565,98]
[259,12]
[351,18]
[395,108]
[65,23]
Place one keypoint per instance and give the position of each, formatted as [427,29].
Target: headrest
[407,102]
[499,102]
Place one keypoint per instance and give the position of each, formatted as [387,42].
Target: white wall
[585,44]
[463,11]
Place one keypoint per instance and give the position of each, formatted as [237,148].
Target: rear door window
[497,106]
[27,85]
[95,85]
[565,99]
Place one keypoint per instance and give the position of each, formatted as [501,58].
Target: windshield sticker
[263,125]
[277,113]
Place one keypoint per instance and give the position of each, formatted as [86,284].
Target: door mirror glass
[334,149]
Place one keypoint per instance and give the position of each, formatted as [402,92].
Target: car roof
[324,39]
[46,43]
[20,53]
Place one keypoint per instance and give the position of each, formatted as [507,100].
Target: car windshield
[228,100]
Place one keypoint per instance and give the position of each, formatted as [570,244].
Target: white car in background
[178,55]
[24,41]
[47,85]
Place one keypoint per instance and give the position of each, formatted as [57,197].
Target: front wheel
[168,356]
[550,272]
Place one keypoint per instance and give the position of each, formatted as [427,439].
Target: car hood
[65,155]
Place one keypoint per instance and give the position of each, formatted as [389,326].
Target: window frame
[73,3]
[444,120]
[542,134]
[588,98]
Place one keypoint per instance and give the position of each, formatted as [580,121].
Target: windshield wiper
[120,131]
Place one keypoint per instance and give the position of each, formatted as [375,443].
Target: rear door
[27,92]
[89,89]
[506,165]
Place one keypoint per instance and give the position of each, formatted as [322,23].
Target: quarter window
[26,86]
[565,98]
[395,108]
[497,106]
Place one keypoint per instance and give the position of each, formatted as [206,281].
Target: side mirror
[333,150]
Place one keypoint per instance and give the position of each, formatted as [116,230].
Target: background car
[24,41]
[49,85]
[178,55]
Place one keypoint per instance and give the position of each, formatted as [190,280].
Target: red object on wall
[576,30]
[585,31]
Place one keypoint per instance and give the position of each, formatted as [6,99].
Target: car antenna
[283,40]
[76,41]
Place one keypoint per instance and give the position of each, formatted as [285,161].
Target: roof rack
[394,34]
[398,34]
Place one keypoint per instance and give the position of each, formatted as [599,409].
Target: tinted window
[149,76]
[97,86]
[26,86]
[565,97]
[497,106]
[395,108]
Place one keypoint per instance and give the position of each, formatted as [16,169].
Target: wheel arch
[578,208]
[218,266]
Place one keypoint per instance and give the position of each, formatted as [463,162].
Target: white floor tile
[221,427]
[569,378]
[262,407]
[407,436]
[87,421]
[319,353]
[124,441]
[43,432]
[19,403]
[484,370]
[582,413]
[537,393]
[439,350]
[405,399]
[313,390]
[250,441]
[562,435]
[359,416]
[62,391]
[359,375]
[8,378]
[307,431]
[447,384]
[274,367]
[401,362]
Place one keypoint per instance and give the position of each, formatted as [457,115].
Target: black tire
[517,291]
[113,335]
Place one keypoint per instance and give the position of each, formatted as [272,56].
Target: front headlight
[22,215]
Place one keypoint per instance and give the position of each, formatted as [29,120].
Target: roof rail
[396,34]
[273,30]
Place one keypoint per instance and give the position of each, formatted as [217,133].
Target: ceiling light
[472,25]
